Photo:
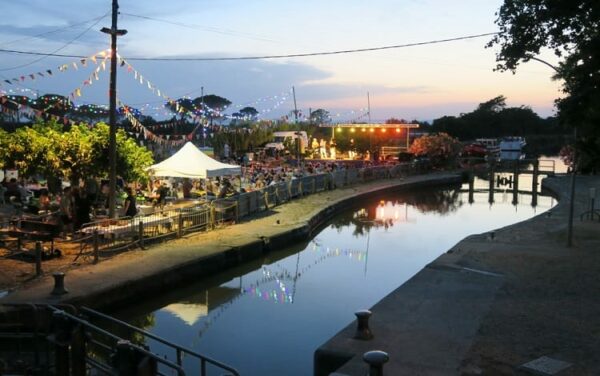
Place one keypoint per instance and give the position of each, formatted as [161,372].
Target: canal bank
[493,303]
[140,274]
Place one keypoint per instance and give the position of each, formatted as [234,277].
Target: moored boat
[512,144]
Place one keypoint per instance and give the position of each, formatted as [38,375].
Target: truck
[280,139]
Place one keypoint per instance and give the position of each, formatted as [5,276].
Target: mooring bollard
[363,332]
[59,284]
[376,359]
[38,258]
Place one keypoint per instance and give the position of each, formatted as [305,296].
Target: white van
[280,138]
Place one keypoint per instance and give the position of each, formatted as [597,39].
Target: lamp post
[112,138]
[573,171]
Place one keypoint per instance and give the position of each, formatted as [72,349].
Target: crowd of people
[78,204]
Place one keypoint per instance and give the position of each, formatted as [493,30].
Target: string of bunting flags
[149,135]
[137,76]
[104,54]
[197,114]
[29,112]
[93,77]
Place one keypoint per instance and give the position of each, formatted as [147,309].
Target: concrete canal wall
[490,305]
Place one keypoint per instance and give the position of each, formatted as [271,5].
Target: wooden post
[491,185]
[38,259]
[212,216]
[179,225]
[78,352]
[471,187]
[536,172]
[95,246]
[141,233]
[516,184]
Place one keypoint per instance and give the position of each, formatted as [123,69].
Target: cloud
[326,91]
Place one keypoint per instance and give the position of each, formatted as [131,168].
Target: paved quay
[137,274]
[493,303]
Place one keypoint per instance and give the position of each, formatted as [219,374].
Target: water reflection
[291,301]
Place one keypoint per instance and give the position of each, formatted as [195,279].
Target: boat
[512,144]
[511,148]
[482,147]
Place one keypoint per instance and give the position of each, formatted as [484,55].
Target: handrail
[163,341]
[89,325]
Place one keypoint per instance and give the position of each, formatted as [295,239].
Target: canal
[267,317]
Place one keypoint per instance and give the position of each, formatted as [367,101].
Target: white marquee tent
[189,162]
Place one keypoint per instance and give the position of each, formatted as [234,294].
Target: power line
[51,31]
[58,49]
[201,27]
[265,57]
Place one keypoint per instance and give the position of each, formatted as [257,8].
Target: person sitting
[13,190]
[187,188]
[129,206]
[226,189]
[155,193]
[44,200]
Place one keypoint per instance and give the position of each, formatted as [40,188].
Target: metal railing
[62,341]
[179,351]
[105,237]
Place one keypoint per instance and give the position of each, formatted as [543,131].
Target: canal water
[267,317]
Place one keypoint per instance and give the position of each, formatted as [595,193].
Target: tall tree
[570,29]
[212,105]
[320,116]
[249,113]
[181,106]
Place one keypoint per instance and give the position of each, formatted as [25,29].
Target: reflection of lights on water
[389,211]
[269,295]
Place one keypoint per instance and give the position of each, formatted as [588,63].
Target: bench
[35,231]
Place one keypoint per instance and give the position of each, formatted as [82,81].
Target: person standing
[66,212]
[82,207]
[323,149]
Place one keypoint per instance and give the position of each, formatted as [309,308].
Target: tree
[77,153]
[395,121]
[248,113]
[182,106]
[320,116]
[212,105]
[90,113]
[439,148]
[570,29]
[493,119]
[54,104]
[13,103]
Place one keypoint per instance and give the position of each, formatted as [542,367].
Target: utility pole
[369,107]
[112,93]
[295,107]
[574,168]
[202,110]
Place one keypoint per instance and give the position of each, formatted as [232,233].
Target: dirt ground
[18,268]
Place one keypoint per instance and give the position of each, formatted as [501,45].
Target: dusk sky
[422,82]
